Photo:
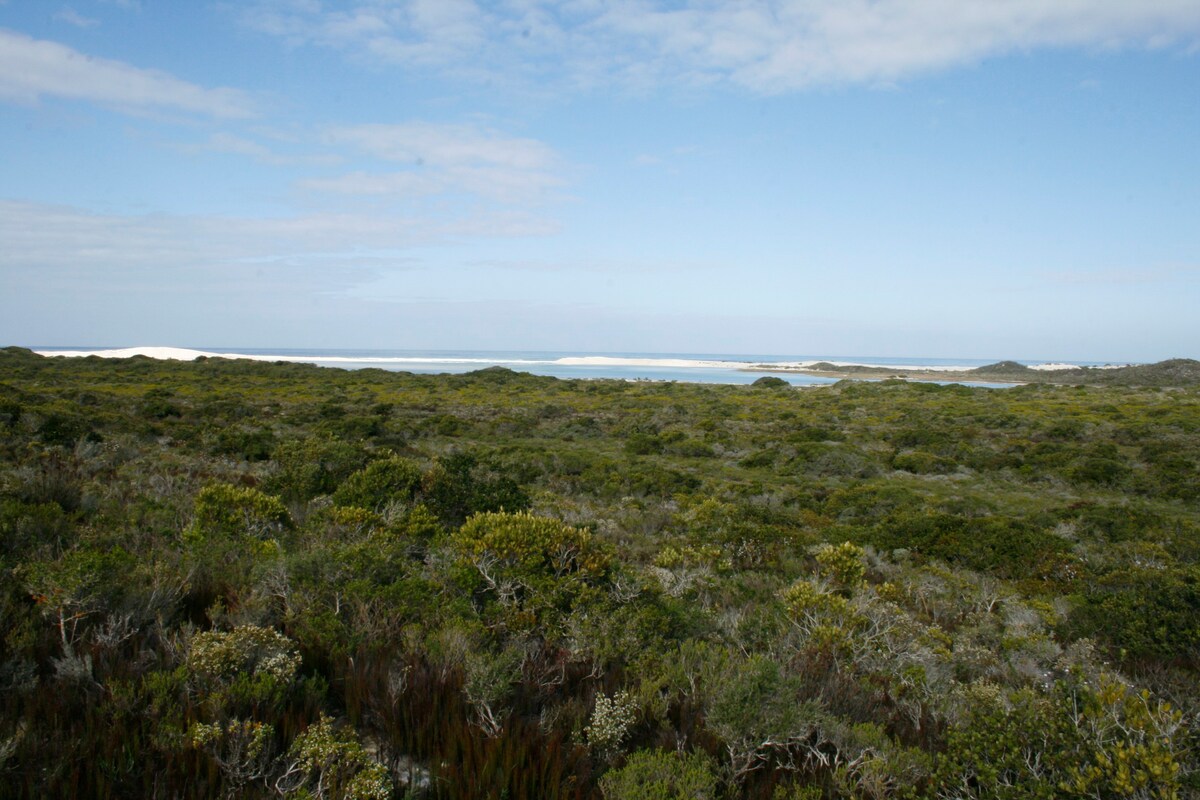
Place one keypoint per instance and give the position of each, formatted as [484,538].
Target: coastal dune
[187,354]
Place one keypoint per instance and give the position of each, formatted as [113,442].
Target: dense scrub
[238,579]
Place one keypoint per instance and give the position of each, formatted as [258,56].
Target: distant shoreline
[702,369]
[1178,372]
[884,373]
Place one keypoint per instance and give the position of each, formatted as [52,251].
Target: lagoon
[684,367]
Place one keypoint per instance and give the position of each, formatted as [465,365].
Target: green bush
[643,444]
[1145,611]
[381,482]
[920,462]
[222,510]
[309,467]
[459,485]
[527,569]
[250,444]
[661,775]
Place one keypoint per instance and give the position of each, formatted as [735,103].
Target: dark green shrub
[691,448]
[1144,611]
[310,467]
[65,430]
[459,485]
[920,462]
[250,444]
[381,482]
[1100,471]
[28,526]
[157,404]
[643,444]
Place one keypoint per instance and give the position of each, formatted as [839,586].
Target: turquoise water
[723,368]
[549,363]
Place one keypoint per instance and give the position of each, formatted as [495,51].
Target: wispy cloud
[446,159]
[73,17]
[764,45]
[416,32]
[369,183]
[232,144]
[445,145]
[41,239]
[32,69]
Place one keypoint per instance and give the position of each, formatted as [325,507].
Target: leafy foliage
[258,580]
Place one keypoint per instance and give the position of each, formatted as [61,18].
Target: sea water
[686,367]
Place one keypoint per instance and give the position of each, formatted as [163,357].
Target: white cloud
[41,239]
[764,45]
[74,276]
[236,145]
[367,183]
[445,145]
[73,17]
[416,32]
[230,144]
[31,69]
[444,159]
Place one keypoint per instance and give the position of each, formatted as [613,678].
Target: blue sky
[948,178]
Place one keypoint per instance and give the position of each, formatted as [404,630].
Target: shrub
[458,485]
[531,568]
[531,547]
[643,444]
[217,657]
[222,510]
[661,775]
[311,467]
[325,761]
[252,445]
[611,720]
[844,564]
[65,430]
[920,462]
[380,483]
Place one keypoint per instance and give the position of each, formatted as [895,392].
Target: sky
[941,178]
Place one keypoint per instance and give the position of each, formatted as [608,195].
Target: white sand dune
[1058,366]
[185,354]
[163,353]
[808,365]
[611,361]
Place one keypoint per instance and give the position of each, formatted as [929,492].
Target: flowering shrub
[611,720]
[241,748]
[842,563]
[233,511]
[218,656]
[328,763]
[530,567]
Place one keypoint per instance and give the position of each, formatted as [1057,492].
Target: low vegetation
[227,578]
